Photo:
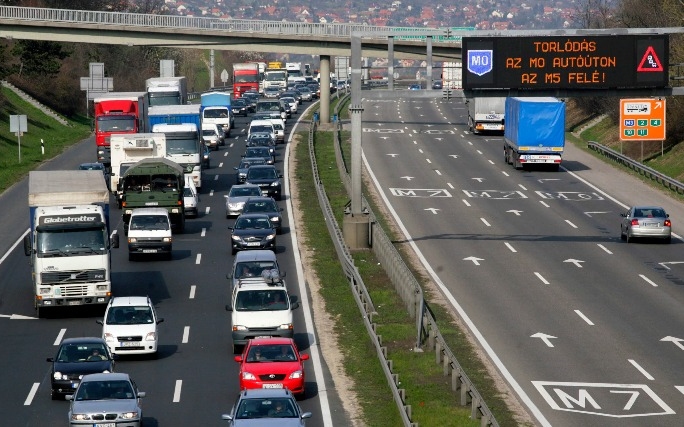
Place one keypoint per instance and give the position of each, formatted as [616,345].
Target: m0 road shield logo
[480,62]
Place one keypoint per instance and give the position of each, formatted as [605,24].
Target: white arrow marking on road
[544,337]
[675,341]
[393,155]
[433,210]
[517,213]
[384,137]
[455,156]
[670,262]
[475,260]
[18,317]
[439,139]
[590,213]
[680,388]
[408,178]
[478,179]
[574,261]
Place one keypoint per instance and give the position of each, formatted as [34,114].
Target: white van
[211,136]
[130,326]
[261,126]
[149,232]
[190,197]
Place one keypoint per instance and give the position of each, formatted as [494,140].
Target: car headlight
[129,415]
[239,328]
[285,326]
[275,184]
[270,237]
[128,211]
[275,219]
[235,238]
[132,240]
[80,417]
[109,337]
[296,375]
[167,239]
[102,287]
[151,336]
[59,376]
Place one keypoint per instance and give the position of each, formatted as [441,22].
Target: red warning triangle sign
[650,61]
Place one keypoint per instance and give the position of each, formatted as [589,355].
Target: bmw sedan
[267,178]
[266,407]
[245,163]
[646,222]
[252,231]
[268,206]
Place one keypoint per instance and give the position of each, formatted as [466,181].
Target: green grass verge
[56,138]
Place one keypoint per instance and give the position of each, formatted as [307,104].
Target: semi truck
[245,77]
[154,183]
[535,132]
[181,125]
[128,149]
[215,109]
[486,114]
[452,75]
[294,71]
[275,77]
[167,90]
[69,238]
[118,112]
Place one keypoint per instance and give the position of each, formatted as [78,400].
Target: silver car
[647,222]
[266,407]
[237,196]
[106,399]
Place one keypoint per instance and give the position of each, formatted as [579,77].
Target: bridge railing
[210,23]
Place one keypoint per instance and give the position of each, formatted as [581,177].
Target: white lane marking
[450,186]
[32,394]
[544,281]
[570,223]
[428,160]
[505,173]
[60,336]
[640,369]
[211,193]
[583,317]
[186,334]
[177,391]
[544,204]
[470,143]
[604,248]
[420,150]
[491,162]
[465,202]
[438,172]
[193,288]
[220,164]
[314,348]
[198,258]
[649,281]
[522,186]
[215,177]
[479,152]
[485,222]
[204,232]
[19,240]
[208,208]
[509,246]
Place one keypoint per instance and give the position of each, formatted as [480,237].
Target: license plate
[74,302]
[149,251]
[652,224]
[492,127]
[253,243]
[263,336]
[129,344]
[106,425]
[272,386]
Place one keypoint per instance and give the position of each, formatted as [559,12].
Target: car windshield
[258,152]
[262,173]
[265,408]
[261,128]
[261,300]
[244,191]
[649,213]
[247,163]
[84,352]
[149,222]
[105,390]
[252,223]
[271,353]
[129,315]
[265,206]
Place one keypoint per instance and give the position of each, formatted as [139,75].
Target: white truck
[452,75]
[167,91]
[128,149]
[260,307]
[69,240]
[486,114]
[275,78]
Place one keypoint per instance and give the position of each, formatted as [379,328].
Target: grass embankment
[56,138]
[428,391]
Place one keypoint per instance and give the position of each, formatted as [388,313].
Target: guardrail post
[456,379]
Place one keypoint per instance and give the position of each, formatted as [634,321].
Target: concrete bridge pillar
[325,89]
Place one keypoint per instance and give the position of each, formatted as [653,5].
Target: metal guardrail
[409,290]
[209,23]
[642,169]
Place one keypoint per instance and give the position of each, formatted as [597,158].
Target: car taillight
[668,223]
[635,222]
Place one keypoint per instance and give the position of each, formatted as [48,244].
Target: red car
[272,363]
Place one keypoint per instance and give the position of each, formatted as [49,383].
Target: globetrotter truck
[535,132]
[128,149]
[167,90]
[182,127]
[154,183]
[215,109]
[486,114]
[118,112]
[69,240]
[245,77]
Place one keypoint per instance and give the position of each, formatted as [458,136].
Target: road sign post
[18,125]
[642,120]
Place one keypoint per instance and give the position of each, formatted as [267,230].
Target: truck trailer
[118,112]
[245,78]
[535,132]
[69,238]
[486,114]
[167,90]
[215,109]
[128,149]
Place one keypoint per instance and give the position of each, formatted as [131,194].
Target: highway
[585,328]
[194,379]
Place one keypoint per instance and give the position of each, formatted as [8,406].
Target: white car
[279,127]
[190,197]
[291,102]
[130,326]
[238,195]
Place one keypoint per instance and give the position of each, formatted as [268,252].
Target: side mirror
[229,308]
[99,322]
[27,245]
[50,359]
[294,306]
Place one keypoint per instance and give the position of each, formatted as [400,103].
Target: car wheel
[628,238]
[668,240]
[131,256]
[53,395]
[233,251]
[622,234]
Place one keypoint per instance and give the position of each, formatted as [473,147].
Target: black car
[262,152]
[206,157]
[437,84]
[262,139]
[77,357]
[245,163]
[267,178]
[239,107]
[252,231]
[268,206]
[252,98]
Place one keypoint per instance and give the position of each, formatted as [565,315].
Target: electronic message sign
[570,62]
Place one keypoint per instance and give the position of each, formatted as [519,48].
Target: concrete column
[325,89]
[390,63]
[428,77]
